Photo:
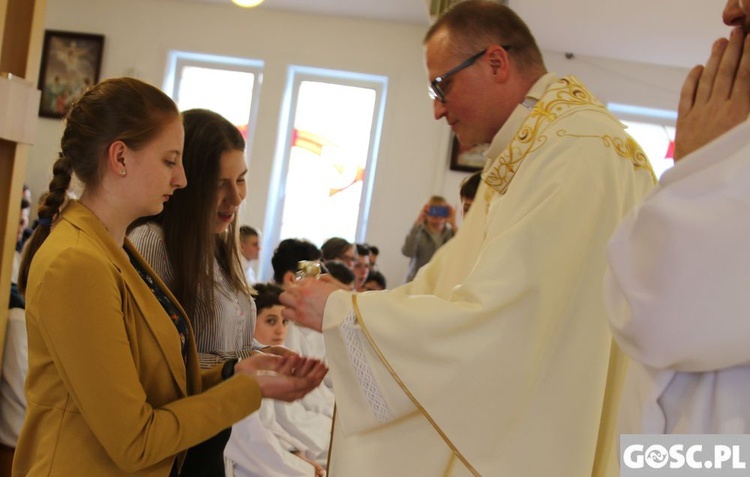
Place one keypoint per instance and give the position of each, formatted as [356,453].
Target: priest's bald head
[482,60]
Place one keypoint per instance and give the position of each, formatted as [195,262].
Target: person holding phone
[435,225]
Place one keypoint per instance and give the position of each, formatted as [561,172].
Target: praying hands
[716,97]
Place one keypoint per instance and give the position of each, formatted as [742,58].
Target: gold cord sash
[411,396]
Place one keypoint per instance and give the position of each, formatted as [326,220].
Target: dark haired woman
[194,247]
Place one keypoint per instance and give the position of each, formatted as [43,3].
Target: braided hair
[124,109]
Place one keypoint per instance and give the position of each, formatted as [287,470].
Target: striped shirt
[223,331]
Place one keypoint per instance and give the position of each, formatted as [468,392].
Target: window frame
[180,59]
[276,193]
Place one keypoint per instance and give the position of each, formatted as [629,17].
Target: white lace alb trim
[355,349]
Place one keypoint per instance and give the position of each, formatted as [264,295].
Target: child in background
[374,252]
[270,328]
[361,266]
[375,281]
[340,272]
[259,446]
[249,250]
[468,190]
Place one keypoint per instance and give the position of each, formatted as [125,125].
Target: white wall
[412,163]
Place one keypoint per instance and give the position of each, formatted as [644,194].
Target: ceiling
[666,32]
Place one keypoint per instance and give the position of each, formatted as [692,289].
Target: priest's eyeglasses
[436,91]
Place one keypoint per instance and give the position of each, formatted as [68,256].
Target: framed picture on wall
[71,62]
[467,159]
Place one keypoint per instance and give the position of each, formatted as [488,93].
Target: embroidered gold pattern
[563,98]
[629,149]
[625,147]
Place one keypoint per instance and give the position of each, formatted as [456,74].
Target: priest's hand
[305,302]
[714,98]
[291,378]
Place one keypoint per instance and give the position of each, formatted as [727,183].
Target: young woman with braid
[114,385]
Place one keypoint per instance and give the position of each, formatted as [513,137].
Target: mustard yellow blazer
[108,392]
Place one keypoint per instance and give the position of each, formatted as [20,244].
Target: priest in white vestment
[678,289]
[494,361]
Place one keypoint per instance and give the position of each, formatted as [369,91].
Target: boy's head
[340,272]
[374,252]
[361,266]
[337,248]
[287,256]
[270,327]
[249,242]
[375,281]
[468,190]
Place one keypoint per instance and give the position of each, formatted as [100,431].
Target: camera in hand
[438,211]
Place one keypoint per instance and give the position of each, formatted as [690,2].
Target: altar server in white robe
[494,360]
[679,283]
[309,420]
[260,445]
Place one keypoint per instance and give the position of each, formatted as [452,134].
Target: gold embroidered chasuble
[494,360]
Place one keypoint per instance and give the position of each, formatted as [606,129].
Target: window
[657,141]
[228,86]
[326,156]
[653,129]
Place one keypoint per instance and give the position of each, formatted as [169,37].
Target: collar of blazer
[152,311]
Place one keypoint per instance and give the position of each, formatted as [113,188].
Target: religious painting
[467,159]
[70,63]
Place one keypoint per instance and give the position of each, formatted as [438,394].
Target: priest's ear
[290,279]
[499,61]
